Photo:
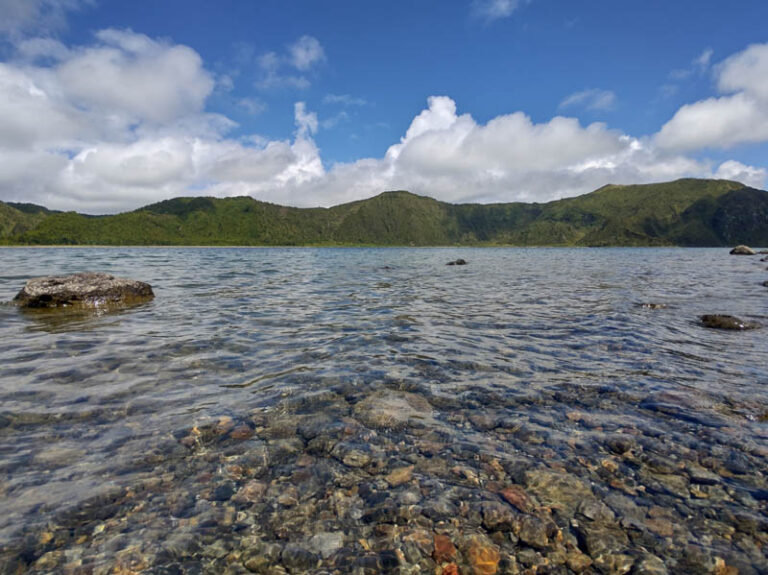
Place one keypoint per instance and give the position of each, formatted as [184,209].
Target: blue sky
[118,104]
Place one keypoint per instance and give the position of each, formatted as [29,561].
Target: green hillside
[686,212]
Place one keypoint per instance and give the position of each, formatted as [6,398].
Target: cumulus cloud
[71,141]
[132,74]
[739,116]
[592,99]
[749,175]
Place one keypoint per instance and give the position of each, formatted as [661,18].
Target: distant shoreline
[140,246]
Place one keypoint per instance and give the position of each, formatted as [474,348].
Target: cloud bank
[123,122]
[739,116]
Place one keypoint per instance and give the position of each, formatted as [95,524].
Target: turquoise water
[535,358]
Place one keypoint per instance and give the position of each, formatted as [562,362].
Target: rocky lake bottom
[366,411]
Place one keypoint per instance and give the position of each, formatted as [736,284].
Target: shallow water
[540,360]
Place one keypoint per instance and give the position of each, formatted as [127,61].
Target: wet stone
[400,475]
[89,290]
[650,565]
[517,497]
[444,550]
[727,322]
[577,561]
[297,559]
[533,532]
[615,564]
[557,490]
[352,454]
[597,511]
[498,516]
[394,410]
[742,250]
[600,539]
[483,556]
[702,475]
[327,543]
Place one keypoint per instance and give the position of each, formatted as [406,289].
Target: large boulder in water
[89,290]
[727,322]
[742,251]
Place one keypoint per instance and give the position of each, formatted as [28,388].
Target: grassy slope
[15,221]
[684,212]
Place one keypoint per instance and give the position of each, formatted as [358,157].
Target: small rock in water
[327,543]
[89,290]
[444,549]
[654,305]
[742,251]
[399,476]
[516,496]
[483,556]
[727,322]
[458,262]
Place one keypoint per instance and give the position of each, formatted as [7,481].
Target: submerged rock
[458,262]
[742,251]
[654,305]
[88,290]
[727,322]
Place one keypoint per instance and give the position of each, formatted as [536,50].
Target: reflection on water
[390,390]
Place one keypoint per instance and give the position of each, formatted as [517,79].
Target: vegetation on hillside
[686,212]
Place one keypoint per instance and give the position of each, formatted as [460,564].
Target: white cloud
[335,120]
[21,17]
[33,111]
[306,122]
[746,72]
[491,10]
[592,99]
[305,53]
[345,100]
[703,60]
[302,55]
[131,74]
[749,175]
[740,116]
[42,48]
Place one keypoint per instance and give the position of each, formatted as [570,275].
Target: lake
[376,411]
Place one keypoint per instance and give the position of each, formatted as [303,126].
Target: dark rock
[727,322]
[497,516]
[533,532]
[458,262]
[298,559]
[223,492]
[742,251]
[89,290]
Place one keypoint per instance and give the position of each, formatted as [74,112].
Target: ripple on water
[301,403]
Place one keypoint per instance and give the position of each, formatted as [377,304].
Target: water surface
[540,360]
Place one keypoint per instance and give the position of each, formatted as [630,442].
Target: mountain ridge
[686,212]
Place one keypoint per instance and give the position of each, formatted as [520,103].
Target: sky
[107,105]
